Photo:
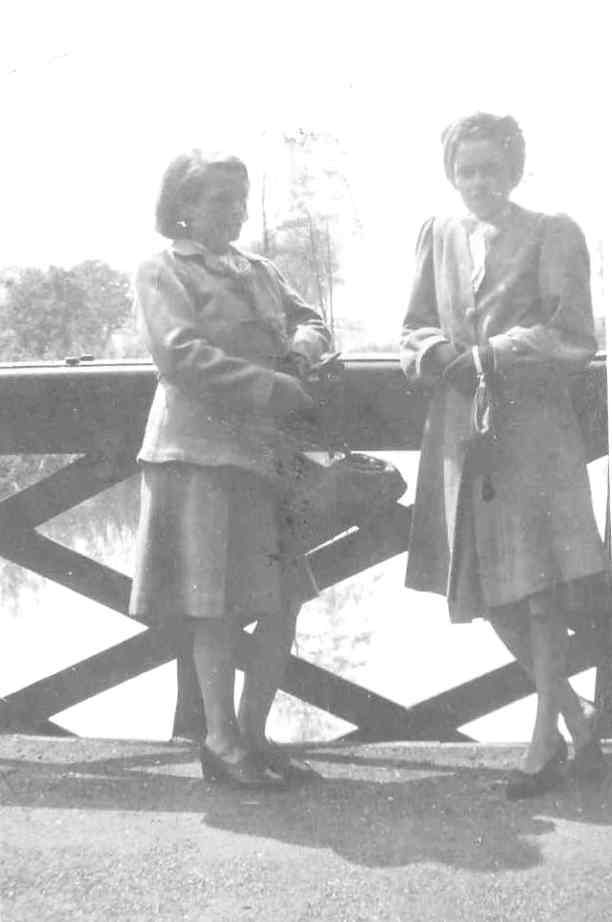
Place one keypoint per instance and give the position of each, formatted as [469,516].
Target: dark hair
[503,130]
[184,181]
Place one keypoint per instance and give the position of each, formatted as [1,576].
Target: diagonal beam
[376,717]
[69,568]
[458,706]
[376,541]
[67,487]
[108,587]
[93,675]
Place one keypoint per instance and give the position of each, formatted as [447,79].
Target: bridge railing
[97,410]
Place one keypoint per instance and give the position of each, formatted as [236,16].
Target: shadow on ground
[376,806]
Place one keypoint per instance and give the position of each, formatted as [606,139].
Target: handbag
[327,500]
[324,500]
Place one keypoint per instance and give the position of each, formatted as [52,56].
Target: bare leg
[548,654]
[213,653]
[272,639]
[513,629]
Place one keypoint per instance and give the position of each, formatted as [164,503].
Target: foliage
[48,314]
[304,238]
[51,313]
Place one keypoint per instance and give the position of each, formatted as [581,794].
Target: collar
[233,261]
[186,247]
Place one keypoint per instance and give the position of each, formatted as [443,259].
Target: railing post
[603,680]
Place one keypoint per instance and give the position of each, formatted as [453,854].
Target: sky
[97,97]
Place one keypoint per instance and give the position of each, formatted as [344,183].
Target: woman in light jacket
[504,292]
[230,340]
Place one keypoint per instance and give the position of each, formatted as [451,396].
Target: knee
[541,606]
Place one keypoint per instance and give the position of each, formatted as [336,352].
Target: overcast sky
[97,96]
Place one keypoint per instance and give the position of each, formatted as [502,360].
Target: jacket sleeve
[184,358]
[421,329]
[566,334]
[308,334]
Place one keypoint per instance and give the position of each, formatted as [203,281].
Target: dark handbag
[323,500]
[326,500]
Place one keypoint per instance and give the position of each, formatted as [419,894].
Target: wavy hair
[503,130]
[183,182]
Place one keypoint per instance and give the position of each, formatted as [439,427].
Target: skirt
[210,545]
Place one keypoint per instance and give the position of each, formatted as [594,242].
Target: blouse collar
[233,262]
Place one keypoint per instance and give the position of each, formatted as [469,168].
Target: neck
[219,248]
[499,216]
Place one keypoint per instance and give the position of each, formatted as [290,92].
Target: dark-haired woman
[231,341]
[505,528]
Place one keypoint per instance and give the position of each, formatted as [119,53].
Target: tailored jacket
[217,337]
[533,307]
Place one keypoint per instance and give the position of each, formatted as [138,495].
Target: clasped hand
[460,371]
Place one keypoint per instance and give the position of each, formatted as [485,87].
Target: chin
[486,211]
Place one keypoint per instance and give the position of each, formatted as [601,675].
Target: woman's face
[216,218]
[482,177]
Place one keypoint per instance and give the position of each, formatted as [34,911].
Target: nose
[239,211]
[481,179]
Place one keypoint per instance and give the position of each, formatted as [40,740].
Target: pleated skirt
[209,545]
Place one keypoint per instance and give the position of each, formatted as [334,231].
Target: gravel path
[103,830]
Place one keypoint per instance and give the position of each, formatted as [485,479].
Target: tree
[48,314]
[51,313]
[304,241]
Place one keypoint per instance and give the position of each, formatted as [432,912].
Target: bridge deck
[99,829]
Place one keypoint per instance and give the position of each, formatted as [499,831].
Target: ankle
[583,726]
[255,741]
[224,744]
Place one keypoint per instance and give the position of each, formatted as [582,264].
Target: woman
[230,340]
[504,526]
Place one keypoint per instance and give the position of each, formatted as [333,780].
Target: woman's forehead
[477,150]
[225,183]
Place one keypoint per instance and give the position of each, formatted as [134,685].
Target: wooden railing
[97,410]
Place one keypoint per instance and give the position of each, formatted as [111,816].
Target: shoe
[533,784]
[292,770]
[589,763]
[247,772]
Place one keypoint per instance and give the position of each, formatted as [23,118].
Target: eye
[492,170]
[466,172]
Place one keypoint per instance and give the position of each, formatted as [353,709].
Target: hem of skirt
[549,583]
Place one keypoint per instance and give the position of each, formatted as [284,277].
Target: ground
[112,830]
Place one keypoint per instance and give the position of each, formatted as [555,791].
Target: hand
[440,356]
[296,364]
[461,374]
[288,396]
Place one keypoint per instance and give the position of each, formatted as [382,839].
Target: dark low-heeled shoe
[247,772]
[294,771]
[589,762]
[526,784]
[533,784]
